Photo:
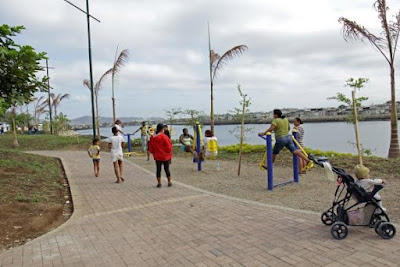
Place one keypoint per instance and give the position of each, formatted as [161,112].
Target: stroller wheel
[386,230]
[376,226]
[339,230]
[328,218]
[375,218]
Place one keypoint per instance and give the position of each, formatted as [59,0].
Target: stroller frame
[338,214]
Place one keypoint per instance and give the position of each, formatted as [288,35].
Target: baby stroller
[353,206]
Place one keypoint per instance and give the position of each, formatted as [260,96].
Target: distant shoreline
[253,121]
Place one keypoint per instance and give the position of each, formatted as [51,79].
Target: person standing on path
[281,126]
[115,144]
[161,148]
[143,136]
[119,126]
[94,153]
[300,138]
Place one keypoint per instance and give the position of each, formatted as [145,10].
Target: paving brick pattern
[136,224]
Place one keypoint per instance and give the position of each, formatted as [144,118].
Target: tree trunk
[113,100]
[241,136]
[212,109]
[356,127]
[394,151]
[15,142]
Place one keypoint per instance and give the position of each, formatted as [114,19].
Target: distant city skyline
[296,58]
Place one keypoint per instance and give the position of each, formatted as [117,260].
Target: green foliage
[60,123]
[194,116]
[172,114]
[247,148]
[240,114]
[18,65]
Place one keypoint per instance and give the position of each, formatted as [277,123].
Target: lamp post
[88,16]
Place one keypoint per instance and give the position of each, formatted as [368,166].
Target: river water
[335,136]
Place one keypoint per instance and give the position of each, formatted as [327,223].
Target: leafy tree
[171,116]
[60,123]
[216,64]
[355,103]
[386,44]
[194,116]
[119,62]
[18,67]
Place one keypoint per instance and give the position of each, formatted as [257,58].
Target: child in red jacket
[161,148]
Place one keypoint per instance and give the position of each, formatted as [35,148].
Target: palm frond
[65,96]
[100,81]
[228,55]
[120,61]
[214,57]
[86,83]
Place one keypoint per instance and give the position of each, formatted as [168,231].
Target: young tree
[355,103]
[216,64]
[194,115]
[171,116]
[96,89]
[18,67]
[241,114]
[386,44]
[119,62]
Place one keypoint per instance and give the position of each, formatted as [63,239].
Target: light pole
[88,16]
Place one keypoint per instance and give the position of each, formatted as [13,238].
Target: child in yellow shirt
[94,153]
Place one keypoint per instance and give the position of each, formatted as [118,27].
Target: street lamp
[49,100]
[88,16]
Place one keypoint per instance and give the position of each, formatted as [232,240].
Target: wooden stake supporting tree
[355,103]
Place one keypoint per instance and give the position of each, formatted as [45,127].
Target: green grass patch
[46,142]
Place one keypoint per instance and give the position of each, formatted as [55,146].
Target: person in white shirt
[364,181]
[119,126]
[115,144]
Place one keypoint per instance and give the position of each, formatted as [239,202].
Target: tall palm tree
[216,64]
[96,89]
[119,62]
[386,44]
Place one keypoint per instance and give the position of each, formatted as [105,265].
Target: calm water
[336,136]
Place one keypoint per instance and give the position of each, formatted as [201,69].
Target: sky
[296,54]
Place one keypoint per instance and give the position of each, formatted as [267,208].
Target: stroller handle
[318,160]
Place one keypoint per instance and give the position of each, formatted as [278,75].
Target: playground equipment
[270,171]
[130,152]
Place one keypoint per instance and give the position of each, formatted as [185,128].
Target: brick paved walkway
[136,224]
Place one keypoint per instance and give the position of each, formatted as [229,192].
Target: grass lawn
[46,142]
[31,196]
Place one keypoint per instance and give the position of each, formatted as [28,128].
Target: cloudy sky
[296,58]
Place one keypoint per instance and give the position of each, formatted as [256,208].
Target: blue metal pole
[269,163]
[295,161]
[198,143]
[129,143]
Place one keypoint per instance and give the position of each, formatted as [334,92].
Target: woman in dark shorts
[281,126]
[161,148]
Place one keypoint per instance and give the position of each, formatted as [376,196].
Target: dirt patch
[34,197]
[314,192]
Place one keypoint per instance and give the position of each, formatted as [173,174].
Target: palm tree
[216,64]
[55,101]
[96,89]
[386,44]
[38,109]
[119,62]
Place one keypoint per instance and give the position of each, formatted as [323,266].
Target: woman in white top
[115,144]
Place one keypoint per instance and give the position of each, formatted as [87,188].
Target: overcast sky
[296,58]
